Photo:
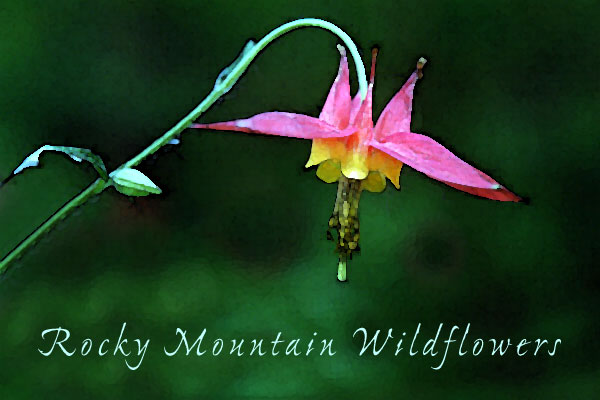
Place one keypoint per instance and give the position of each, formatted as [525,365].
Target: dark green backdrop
[236,244]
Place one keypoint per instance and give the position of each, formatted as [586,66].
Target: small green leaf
[132,182]
[225,73]
[75,153]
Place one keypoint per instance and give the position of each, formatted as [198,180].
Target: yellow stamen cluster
[343,224]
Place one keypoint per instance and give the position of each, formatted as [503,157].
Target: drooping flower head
[349,149]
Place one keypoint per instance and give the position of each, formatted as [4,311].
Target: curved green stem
[307,22]
[220,89]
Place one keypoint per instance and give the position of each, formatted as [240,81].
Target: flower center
[343,224]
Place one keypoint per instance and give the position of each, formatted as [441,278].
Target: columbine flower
[348,149]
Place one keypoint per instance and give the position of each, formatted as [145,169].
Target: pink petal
[434,160]
[336,110]
[361,112]
[281,124]
[355,107]
[396,114]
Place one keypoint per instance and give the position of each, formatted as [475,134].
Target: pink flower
[345,140]
[350,149]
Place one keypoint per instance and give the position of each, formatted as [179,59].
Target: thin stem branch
[96,187]
[319,23]
[238,69]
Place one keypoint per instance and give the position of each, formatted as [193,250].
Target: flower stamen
[344,223]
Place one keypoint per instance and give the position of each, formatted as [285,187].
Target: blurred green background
[236,244]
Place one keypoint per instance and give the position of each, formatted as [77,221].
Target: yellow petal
[325,149]
[389,166]
[375,182]
[354,166]
[329,171]
[392,172]
[318,153]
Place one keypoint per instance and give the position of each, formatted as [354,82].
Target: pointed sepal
[434,160]
[280,124]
